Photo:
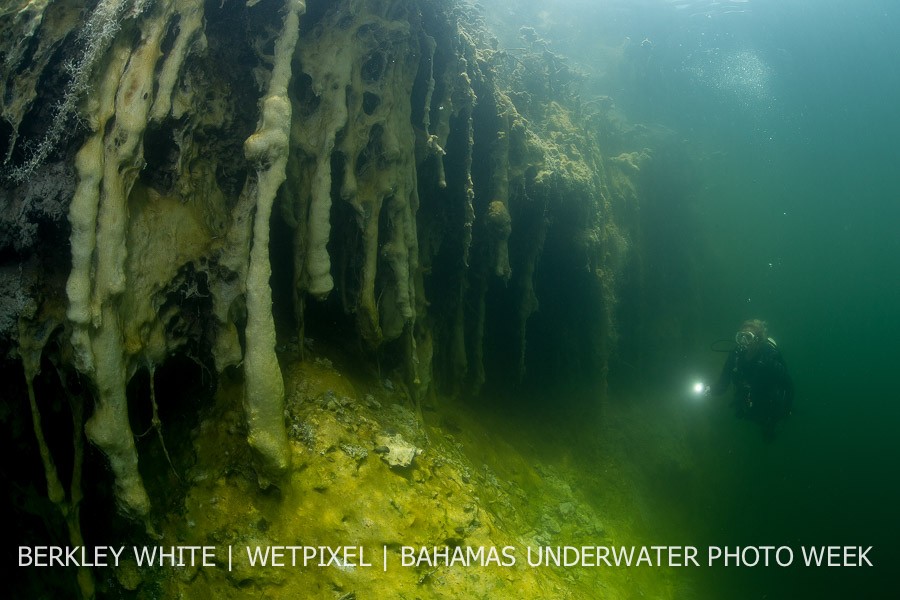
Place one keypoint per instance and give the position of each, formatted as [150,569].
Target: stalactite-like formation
[108,165]
[267,149]
[32,342]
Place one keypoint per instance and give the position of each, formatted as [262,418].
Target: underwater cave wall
[439,193]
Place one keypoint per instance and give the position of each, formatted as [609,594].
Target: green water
[787,112]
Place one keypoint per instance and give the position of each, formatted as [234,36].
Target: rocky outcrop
[375,164]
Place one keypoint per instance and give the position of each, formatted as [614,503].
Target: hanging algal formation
[177,172]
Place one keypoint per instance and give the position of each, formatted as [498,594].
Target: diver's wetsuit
[763,390]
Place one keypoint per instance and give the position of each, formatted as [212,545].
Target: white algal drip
[268,150]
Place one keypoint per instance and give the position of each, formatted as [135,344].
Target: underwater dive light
[699,388]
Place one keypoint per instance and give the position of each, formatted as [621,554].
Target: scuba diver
[763,389]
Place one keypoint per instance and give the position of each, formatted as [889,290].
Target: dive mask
[744,338]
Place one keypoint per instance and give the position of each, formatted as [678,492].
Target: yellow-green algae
[480,481]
